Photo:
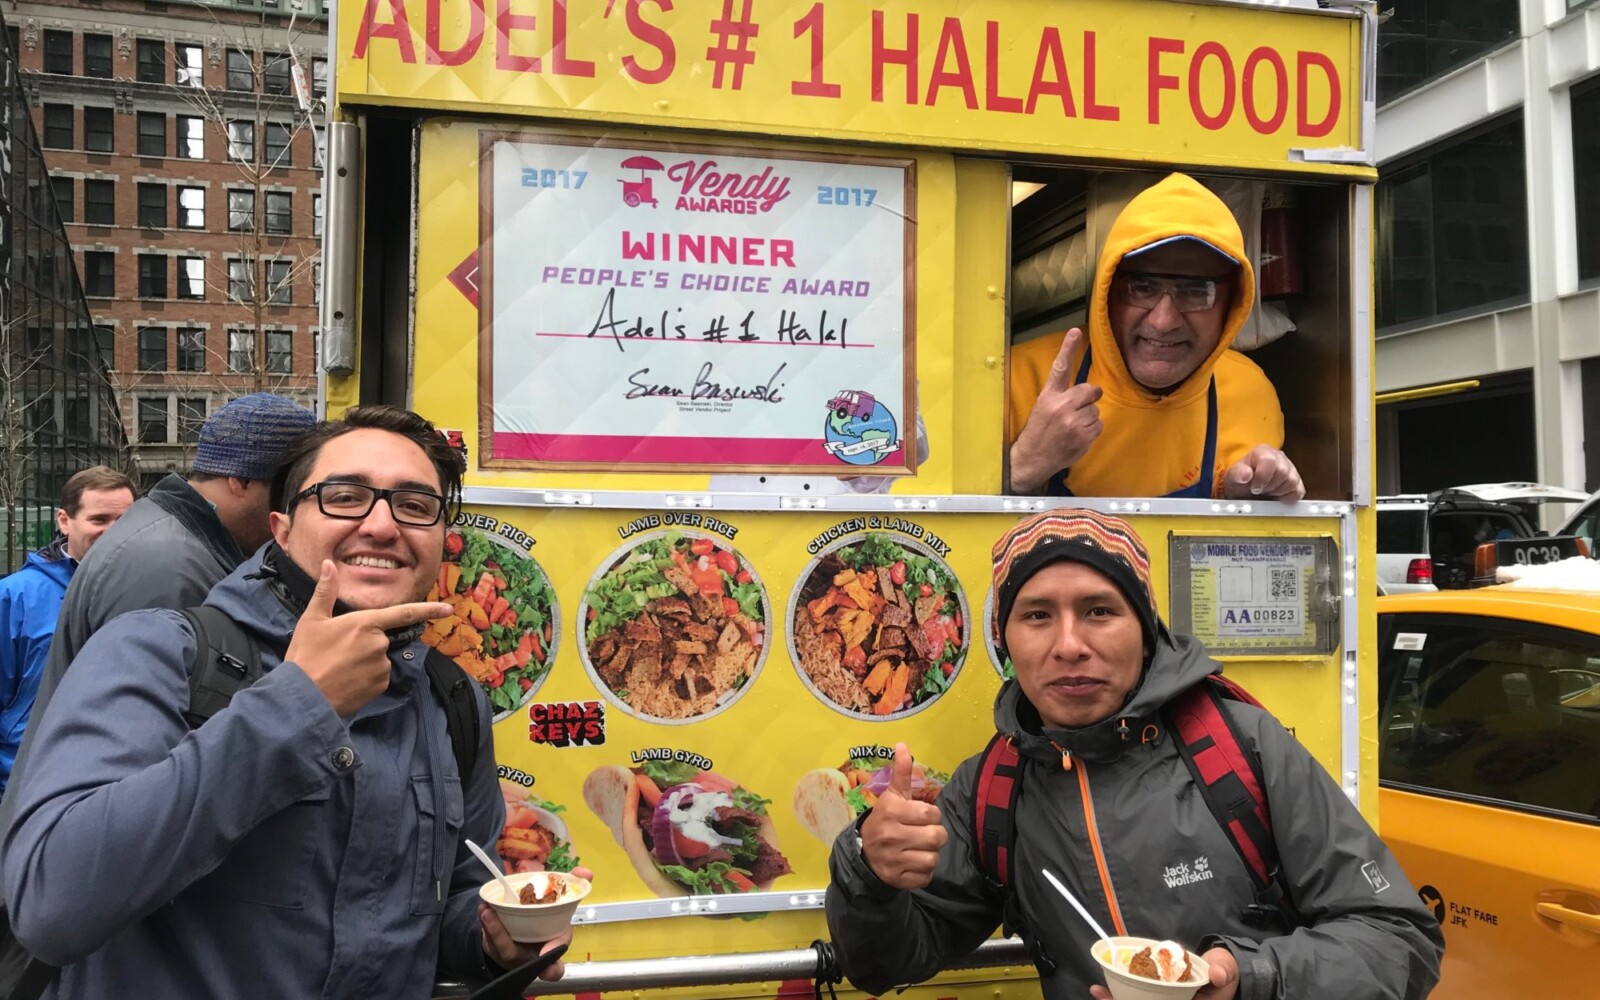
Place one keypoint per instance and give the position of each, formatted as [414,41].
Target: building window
[1453,227]
[152,420]
[1424,40]
[191,278]
[152,60]
[99,202]
[152,275]
[316,283]
[319,147]
[153,206]
[280,352]
[279,152]
[240,283]
[191,207]
[241,74]
[58,126]
[98,130]
[319,77]
[97,56]
[99,273]
[152,133]
[1586,172]
[241,211]
[316,214]
[188,65]
[191,349]
[191,414]
[191,137]
[241,350]
[63,192]
[242,141]
[58,52]
[152,348]
[275,74]
[105,344]
[280,291]
[280,212]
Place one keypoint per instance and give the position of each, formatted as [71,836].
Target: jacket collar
[174,495]
[1179,662]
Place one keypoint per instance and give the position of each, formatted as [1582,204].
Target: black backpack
[226,661]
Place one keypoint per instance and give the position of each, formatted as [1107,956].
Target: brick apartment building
[185,164]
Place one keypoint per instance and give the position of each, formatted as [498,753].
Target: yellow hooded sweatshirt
[1152,444]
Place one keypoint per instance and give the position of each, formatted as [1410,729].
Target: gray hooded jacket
[278,851]
[1127,830]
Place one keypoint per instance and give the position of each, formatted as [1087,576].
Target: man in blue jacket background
[30,598]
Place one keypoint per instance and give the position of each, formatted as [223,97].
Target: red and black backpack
[1226,774]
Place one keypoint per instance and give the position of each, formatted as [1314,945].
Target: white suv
[1403,563]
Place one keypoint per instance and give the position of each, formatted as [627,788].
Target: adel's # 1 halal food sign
[686,308]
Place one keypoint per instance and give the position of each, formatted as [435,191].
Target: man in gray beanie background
[171,547]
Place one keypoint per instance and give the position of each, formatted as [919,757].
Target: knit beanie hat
[1107,544]
[246,437]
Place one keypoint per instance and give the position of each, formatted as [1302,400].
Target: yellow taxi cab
[1489,767]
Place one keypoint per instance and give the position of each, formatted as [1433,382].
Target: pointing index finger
[401,615]
[1061,369]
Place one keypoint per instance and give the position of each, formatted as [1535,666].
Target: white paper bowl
[536,923]
[1112,954]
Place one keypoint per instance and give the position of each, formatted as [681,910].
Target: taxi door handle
[1577,919]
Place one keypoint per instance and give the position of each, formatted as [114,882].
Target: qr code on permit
[1284,584]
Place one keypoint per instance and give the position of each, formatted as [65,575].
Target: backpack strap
[226,661]
[994,820]
[453,688]
[1226,775]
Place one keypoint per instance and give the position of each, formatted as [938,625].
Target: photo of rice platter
[674,626]
[502,631]
[878,626]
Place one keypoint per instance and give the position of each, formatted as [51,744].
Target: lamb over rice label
[675,626]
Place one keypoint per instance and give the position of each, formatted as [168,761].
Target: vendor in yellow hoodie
[1155,405]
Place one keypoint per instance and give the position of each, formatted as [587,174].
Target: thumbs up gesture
[1063,424]
[347,658]
[901,837]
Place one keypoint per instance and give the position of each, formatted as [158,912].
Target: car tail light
[1419,571]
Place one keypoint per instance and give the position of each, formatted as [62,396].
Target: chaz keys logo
[703,187]
[567,723]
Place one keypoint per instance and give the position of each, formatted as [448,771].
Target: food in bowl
[556,896]
[1146,969]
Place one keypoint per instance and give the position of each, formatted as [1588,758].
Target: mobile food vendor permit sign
[1252,594]
[672,308]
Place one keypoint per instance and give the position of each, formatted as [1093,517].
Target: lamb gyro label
[878,626]
[673,627]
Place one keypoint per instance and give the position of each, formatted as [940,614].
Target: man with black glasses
[305,840]
[1154,404]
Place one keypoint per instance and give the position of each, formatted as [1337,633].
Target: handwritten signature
[705,387]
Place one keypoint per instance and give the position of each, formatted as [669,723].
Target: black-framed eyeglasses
[1145,291]
[354,501]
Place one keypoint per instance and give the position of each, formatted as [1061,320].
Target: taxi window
[1492,709]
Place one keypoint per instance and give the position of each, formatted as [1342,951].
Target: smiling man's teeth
[373,562]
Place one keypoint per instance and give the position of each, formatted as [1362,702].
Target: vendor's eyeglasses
[354,501]
[1145,291]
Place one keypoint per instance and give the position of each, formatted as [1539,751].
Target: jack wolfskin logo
[1187,872]
[1375,877]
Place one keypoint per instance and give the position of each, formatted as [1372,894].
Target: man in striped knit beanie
[1099,794]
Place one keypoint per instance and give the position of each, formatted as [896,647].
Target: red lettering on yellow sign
[910,59]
